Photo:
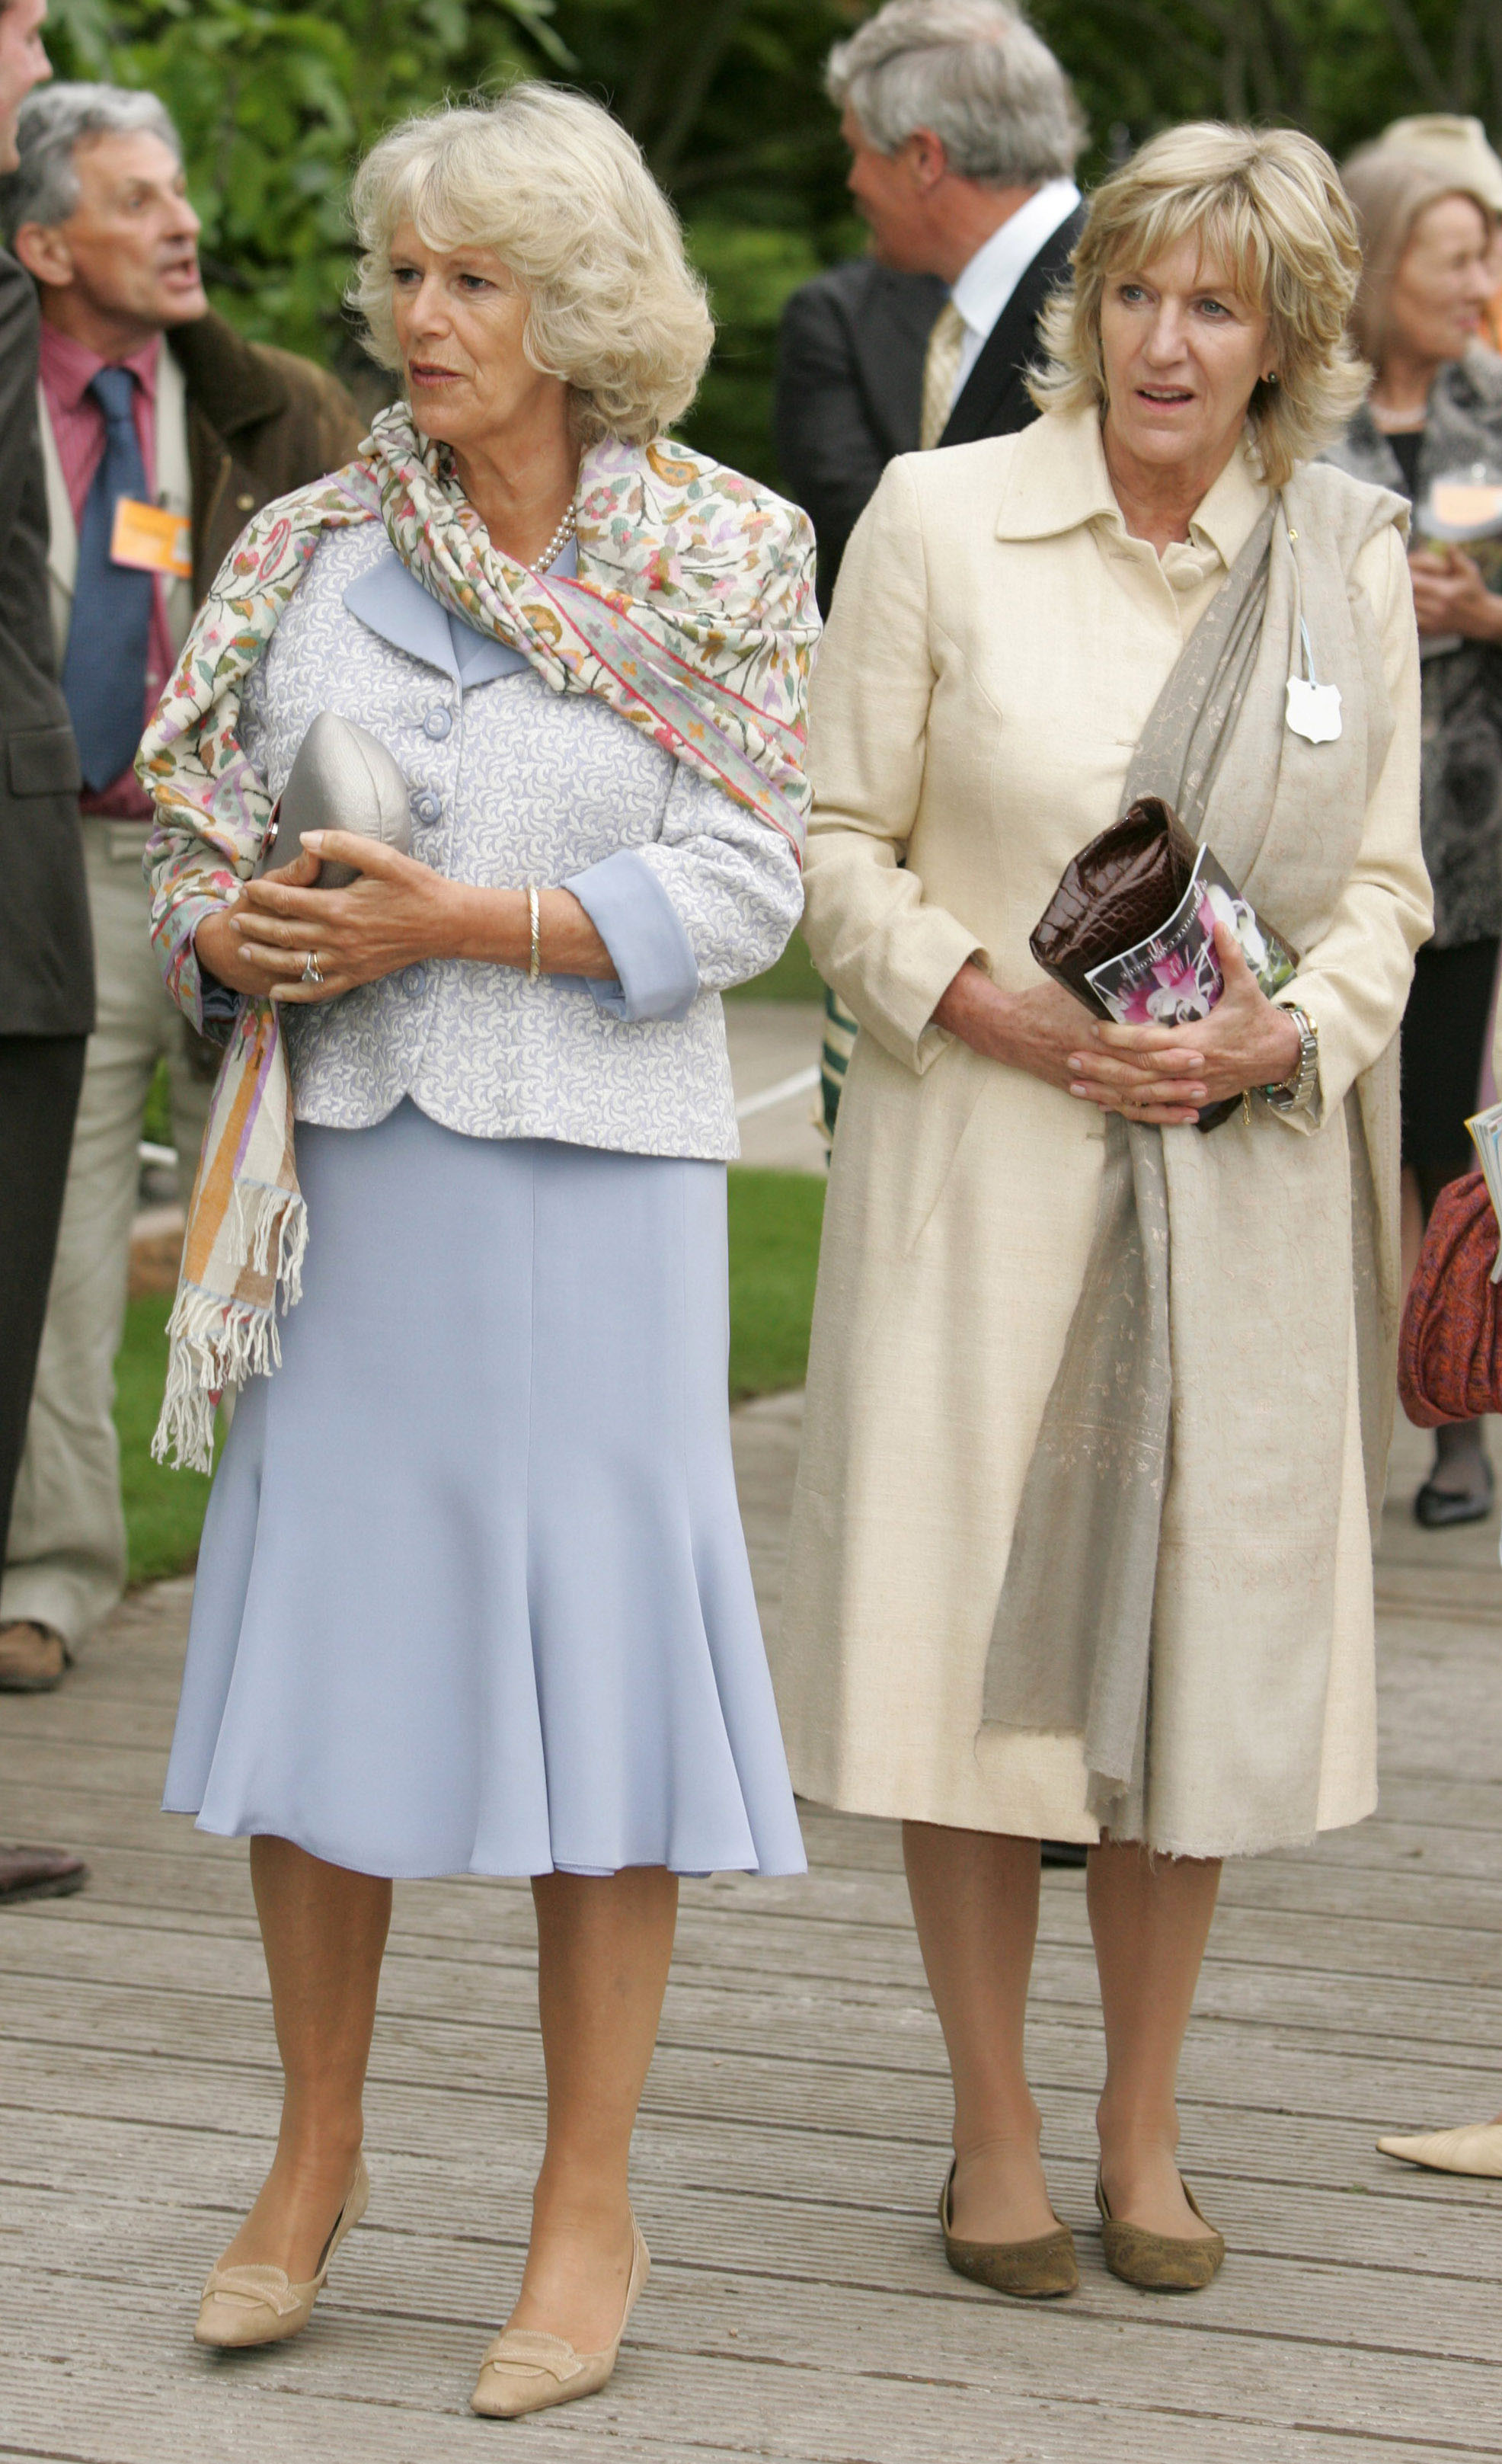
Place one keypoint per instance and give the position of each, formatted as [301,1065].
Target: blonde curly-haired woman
[1097,1404]
[473,1594]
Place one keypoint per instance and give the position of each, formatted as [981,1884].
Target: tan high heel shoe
[1039,2270]
[524,2370]
[259,2305]
[1474,2148]
[1160,2262]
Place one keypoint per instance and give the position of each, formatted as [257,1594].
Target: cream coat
[998,644]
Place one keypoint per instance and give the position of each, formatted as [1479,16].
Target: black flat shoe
[1436,1509]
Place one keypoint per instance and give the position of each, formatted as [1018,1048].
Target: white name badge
[1314,710]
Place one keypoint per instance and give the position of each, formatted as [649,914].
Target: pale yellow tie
[940,369]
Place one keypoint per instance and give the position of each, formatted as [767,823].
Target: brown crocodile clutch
[1116,891]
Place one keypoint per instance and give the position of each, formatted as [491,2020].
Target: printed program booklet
[1174,974]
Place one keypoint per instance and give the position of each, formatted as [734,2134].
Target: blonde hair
[1270,205]
[1389,190]
[558,190]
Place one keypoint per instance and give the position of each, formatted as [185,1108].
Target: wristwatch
[1296,1093]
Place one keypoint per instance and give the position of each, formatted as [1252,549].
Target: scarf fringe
[262,1207]
[214,1343]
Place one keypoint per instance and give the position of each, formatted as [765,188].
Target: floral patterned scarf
[692,615]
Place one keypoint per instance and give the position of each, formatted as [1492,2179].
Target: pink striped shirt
[68,369]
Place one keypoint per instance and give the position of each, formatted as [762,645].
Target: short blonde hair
[558,190]
[1270,205]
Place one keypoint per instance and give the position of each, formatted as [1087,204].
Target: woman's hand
[397,913]
[1040,1031]
[220,948]
[1152,1073]
[1450,597]
[1166,1075]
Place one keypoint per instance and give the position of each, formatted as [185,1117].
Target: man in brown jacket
[162,432]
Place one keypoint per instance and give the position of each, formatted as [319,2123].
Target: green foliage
[277,103]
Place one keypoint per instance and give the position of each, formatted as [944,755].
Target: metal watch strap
[1295,1093]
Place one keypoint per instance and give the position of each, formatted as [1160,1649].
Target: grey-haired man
[46,971]
[162,432]
[963,135]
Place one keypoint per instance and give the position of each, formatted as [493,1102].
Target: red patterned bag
[1449,1349]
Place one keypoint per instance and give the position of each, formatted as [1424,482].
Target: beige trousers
[66,1561]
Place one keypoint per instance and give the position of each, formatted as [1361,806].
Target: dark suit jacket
[46,951]
[849,391]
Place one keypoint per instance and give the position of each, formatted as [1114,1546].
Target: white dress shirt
[995,270]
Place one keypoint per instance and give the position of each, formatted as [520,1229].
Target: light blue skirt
[473,1594]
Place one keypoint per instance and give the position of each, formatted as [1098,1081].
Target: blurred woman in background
[1435,410]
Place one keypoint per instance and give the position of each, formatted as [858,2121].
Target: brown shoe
[39,1874]
[1160,2262]
[33,1658]
[1029,2270]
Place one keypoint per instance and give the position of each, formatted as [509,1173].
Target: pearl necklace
[557,542]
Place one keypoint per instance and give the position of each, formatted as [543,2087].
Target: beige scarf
[1211,1337]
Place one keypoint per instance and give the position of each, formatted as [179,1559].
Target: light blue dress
[473,1594]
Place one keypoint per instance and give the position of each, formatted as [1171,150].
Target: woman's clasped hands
[398,910]
[1161,1075]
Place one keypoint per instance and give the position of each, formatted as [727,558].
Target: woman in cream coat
[1006,1618]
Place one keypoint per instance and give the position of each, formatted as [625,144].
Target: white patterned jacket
[513,785]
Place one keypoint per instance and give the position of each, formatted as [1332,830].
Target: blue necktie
[104,670]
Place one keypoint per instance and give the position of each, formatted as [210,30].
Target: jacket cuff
[657,975]
[897,1002]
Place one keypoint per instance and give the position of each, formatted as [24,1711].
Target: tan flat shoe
[1476,2147]
[34,1658]
[525,2371]
[1039,2270]
[1159,2262]
[259,2305]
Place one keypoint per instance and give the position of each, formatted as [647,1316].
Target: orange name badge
[152,539]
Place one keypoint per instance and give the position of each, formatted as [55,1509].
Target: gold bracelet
[534,917]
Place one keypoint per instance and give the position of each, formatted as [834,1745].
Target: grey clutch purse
[342,779]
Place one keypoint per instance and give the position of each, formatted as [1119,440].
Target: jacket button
[427,807]
[436,724]
[413,980]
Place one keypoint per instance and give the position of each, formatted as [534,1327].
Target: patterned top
[510,784]
[1461,798]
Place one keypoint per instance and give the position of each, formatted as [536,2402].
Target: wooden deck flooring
[794,2137]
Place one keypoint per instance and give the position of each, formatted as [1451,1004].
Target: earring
[1271,379]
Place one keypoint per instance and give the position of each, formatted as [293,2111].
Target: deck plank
[793,2137]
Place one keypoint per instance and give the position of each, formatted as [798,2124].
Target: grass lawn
[163,1509]
[774,1227]
[775,1219]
